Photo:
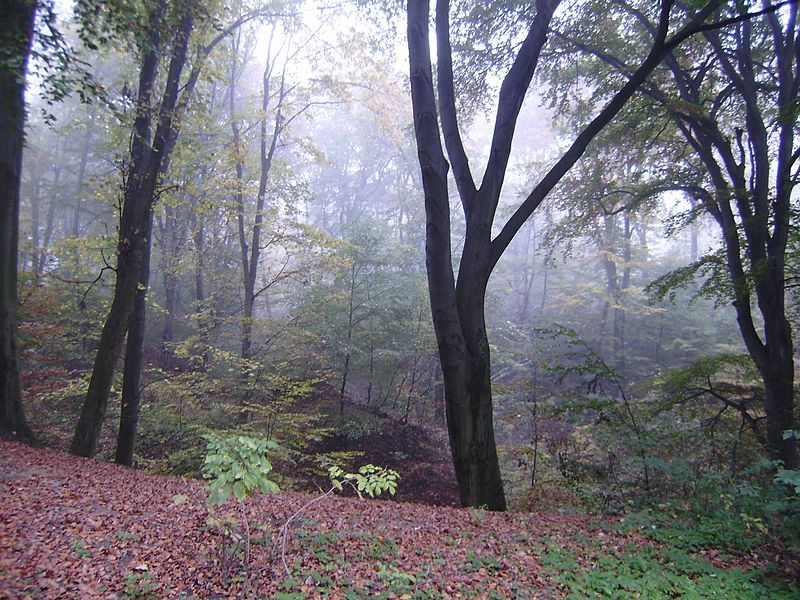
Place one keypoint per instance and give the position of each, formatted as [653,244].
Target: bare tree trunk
[199,240]
[17,32]
[134,361]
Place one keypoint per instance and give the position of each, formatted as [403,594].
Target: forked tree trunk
[458,310]
[132,249]
[466,366]
[251,250]
[134,352]
[17,32]
[130,252]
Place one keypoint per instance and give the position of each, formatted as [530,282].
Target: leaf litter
[78,528]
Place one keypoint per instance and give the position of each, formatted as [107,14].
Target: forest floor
[77,528]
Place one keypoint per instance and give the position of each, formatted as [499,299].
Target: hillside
[84,529]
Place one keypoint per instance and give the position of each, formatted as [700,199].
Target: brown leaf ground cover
[76,528]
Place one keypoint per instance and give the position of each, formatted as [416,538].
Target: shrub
[238,465]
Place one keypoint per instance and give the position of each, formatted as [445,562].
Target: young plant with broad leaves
[237,465]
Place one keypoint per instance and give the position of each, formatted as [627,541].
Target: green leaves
[370,480]
[238,465]
[789,477]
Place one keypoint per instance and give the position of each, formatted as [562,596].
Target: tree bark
[458,308]
[139,195]
[134,361]
[756,189]
[18,22]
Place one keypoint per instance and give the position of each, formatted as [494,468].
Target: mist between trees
[239,215]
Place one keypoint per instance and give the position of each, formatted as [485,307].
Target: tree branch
[447,104]
[661,48]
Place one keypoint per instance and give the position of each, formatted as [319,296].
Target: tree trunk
[458,313]
[139,195]
[170,247]
[468,392]
[170,308]
[778,375]
[346,367]
[248,282]
[199,241]
[134,361]
[44,246]
[268,145]
[130,256]
[75,228]
[35,202]
[18,19]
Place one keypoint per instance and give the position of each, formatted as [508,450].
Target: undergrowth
[650,571]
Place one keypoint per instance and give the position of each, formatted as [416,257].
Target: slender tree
[15,46]
[134,349]
[146,156]
[457,302]
[271,125]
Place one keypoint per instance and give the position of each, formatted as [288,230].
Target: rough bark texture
[132,248]
[134,361]
[458,306]
[18,18]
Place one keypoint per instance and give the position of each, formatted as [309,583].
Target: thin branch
[283,532]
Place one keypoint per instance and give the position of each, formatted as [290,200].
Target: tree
[270,134]
[457,303]
[146,156]
[607,201]
[15,47]
[173,104]
[732,96]
[277,113]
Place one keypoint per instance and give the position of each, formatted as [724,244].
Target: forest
[371,298]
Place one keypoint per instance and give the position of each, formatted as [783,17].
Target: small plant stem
[284,530]
[246,561]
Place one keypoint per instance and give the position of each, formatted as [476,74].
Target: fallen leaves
[72,527]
